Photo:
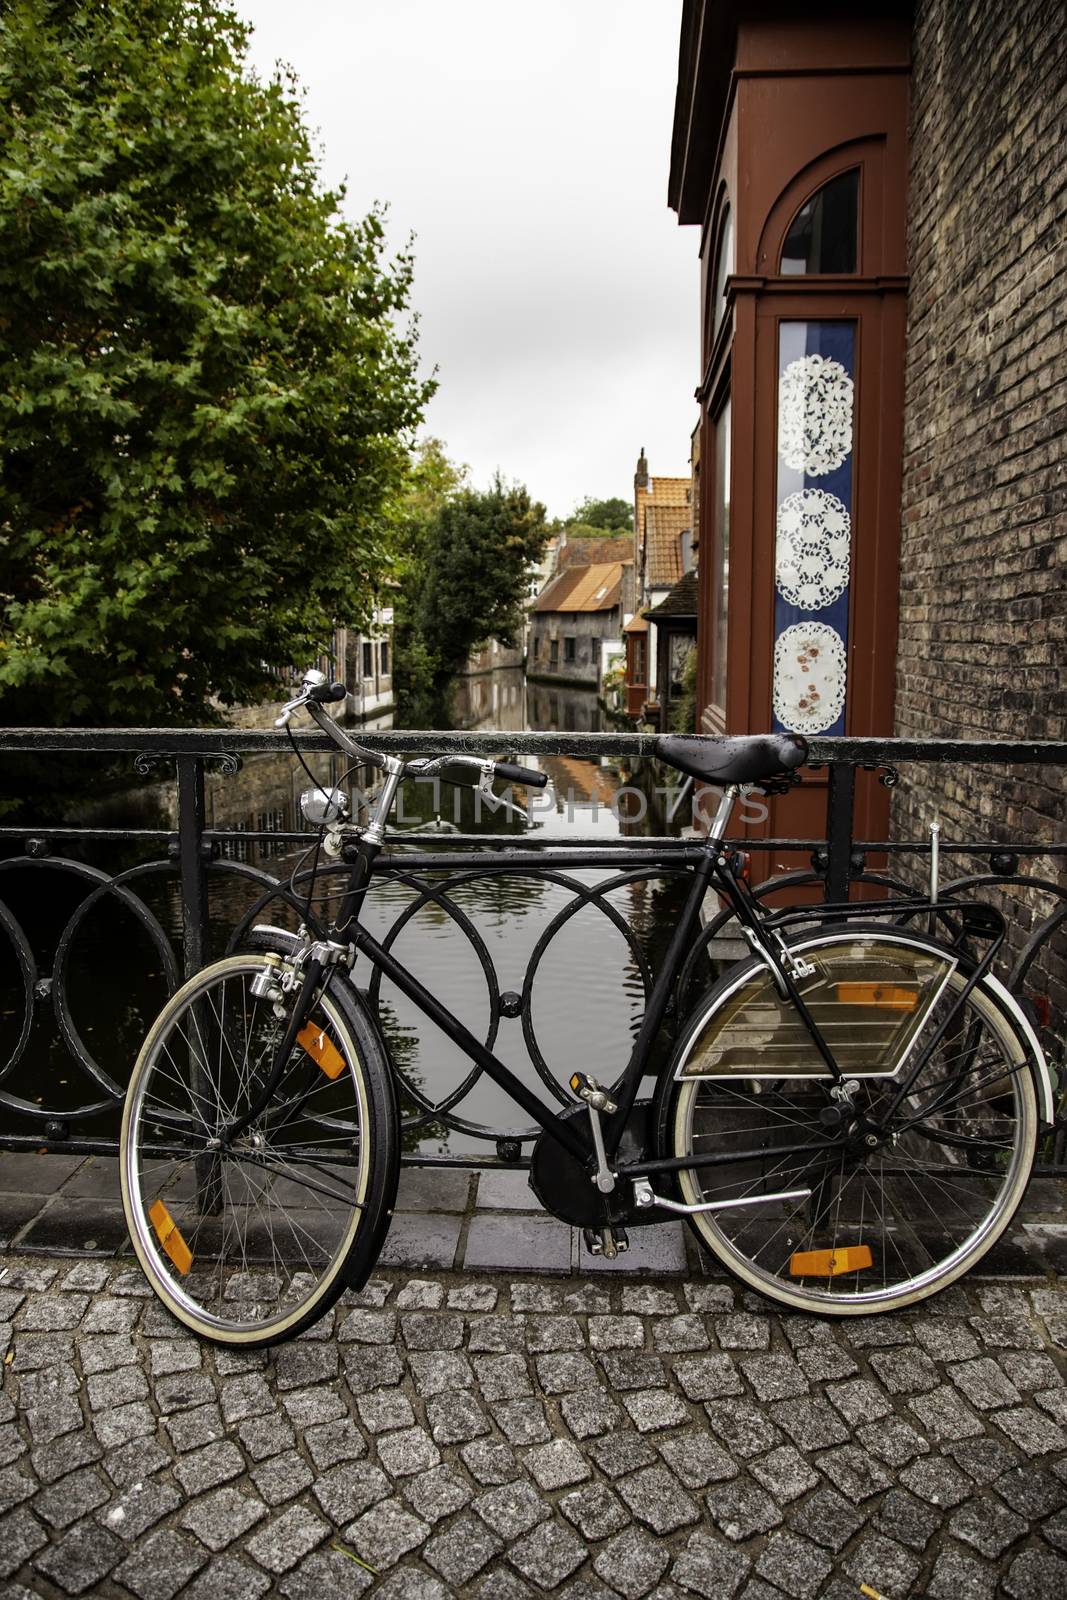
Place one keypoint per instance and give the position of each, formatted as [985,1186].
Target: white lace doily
[814,415]
[814,536]
[809,677]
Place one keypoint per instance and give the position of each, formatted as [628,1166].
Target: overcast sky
[526,146]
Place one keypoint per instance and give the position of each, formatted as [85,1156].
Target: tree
[610,516]
[206,392]
[467,575]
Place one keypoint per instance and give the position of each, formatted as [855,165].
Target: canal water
[576,962]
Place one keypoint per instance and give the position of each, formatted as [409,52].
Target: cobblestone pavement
[505,1437]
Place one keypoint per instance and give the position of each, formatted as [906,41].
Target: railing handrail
[250,741]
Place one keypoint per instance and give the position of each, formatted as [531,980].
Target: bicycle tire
[250,1245]
[927,1203]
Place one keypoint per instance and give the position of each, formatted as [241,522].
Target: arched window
[823,235]
[724,266]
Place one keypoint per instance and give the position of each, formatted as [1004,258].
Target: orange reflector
[882,995]
[322,1050]
[830,1263]
[169,1237]
[576,1083]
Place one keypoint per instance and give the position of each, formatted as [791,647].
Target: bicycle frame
[710,864]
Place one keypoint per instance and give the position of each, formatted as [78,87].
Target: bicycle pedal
[606,1242]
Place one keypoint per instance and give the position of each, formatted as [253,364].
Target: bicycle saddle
[752,758]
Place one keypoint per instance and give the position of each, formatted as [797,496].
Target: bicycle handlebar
[510,772]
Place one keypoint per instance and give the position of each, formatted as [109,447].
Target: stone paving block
[385,1533]
[710,1568]
[498,1335]
[894,1440]
[207,1468]
[456,1418]
[1031,1492]
[652,1411]
[285,1539]
[161,1566]
[123,1423]
[262,1437]
[228,1578]
[794,1565]
[827,1518]
[441,1372]
[20,1536]
[462,1550]
[502,1377]
[408,1584]
[408,1451]
[743,1428]
[135,1461]
[590,1413]
[506,1191]
[139,1508]
[1039,1574]
[557,1465]
[188,1430]
[957,1574]
[631,1563]
[72,1498]
[937,1481]
[655,1497]
[472,1297]
[620,1453]
[330,1442]
[517,1243]
[565,1372]
[384,1409]
[742,1331]
[741,1508]
[595,1511]
[282,1477]
[945,1416]
[548,1555]
[433,1494]
[784,1473]
[1033,1433]
[331,1574]
[854,1472]
[82,1558]
[987,1527]
[367,1368]
[426,1330]
[490,1462]
[708,1377]
[220,1518]
[884,1565]
[421,1294]
[417,1240]
[521,1421]
[15,1488]
[633,1369]
[368,1327]
[903,1517]
[512,1509]
[696,1460]
[433,1189]
[859,1400]
[983,1459]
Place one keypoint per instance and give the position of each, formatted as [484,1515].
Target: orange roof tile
[663,553]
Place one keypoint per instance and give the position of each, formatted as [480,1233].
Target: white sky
[527,147]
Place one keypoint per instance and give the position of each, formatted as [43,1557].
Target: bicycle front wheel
[247,1240]
[910,1200]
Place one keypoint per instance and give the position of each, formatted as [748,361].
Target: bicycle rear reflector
[169,1236]
[881,995]
[321,1050]
[830,1263]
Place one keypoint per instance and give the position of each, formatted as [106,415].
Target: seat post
[721,820]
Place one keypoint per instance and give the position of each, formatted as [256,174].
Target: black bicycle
[848,1119]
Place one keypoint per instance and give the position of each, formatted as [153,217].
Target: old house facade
[879,195]
[576,623]
[663,552]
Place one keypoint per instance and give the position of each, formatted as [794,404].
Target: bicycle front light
[319,806]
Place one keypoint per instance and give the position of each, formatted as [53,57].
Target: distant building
[364,664]
[663,553]
[576,623]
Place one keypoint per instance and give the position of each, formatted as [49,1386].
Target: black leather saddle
[752,758]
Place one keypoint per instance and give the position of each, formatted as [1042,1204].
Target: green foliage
[466,576]
[684,709]
[606,516]
[205,395]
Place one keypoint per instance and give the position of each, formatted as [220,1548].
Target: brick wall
[983,607]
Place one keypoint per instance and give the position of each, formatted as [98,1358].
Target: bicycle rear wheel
[247,1241]
[902,1212]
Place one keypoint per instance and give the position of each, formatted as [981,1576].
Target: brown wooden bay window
[790,153]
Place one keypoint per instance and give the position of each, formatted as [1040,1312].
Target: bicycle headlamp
[319,806]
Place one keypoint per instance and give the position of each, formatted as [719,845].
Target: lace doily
[809,677]
[814,535]
[814,415]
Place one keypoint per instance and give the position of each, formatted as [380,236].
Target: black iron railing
[56,1091]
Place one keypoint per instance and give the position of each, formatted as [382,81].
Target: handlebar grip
[328,691]
[510,772]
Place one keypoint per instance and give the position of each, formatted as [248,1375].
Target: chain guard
[565,1186]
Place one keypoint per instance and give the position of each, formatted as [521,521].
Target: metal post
[839,807]
[191,822]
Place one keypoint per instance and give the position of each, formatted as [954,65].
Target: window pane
[721,558]
[822,236]
[724,266]
[813,525]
